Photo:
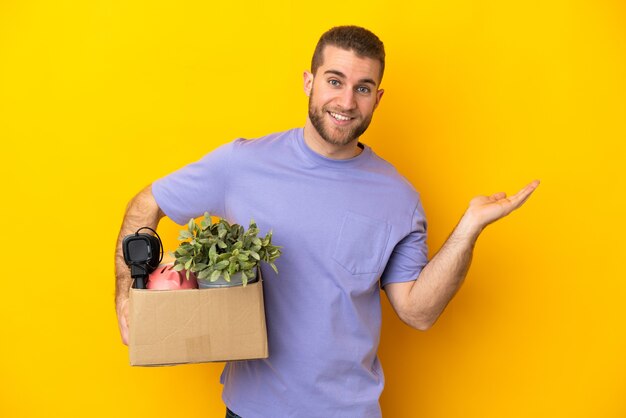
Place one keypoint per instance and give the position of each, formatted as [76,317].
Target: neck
[326,149]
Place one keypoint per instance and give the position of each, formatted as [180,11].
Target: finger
[520,197]
[124,332]
[529,188]
[498,196]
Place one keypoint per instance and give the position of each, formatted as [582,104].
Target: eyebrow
[342,75]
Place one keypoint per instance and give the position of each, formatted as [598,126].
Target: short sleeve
[196,188]
[410,255]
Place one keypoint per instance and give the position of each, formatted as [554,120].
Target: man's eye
[363,89]
[334,82]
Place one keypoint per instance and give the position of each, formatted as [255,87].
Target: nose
[347,99]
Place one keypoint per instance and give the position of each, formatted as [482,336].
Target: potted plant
[221,254]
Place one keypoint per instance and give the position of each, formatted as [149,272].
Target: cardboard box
[197,325]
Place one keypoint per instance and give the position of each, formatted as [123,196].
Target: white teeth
[338,116]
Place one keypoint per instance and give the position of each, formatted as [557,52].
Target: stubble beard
[335,135]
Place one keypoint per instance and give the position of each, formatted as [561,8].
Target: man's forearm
[442,277]
[141,211]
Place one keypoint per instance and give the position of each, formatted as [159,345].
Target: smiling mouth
[339,117]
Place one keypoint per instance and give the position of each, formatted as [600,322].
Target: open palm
[487,209]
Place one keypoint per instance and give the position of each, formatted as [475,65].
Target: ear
[379,95]
[308,83]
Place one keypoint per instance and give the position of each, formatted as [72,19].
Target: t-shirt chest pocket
[361,243]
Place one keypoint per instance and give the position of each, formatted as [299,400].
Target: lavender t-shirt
[343,225]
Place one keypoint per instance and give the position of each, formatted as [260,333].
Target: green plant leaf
[213,248]
[204,274]
[222,265]
[212,254]
[184,234]
[223,256]
[205,223]
[198,267]
[227,276]
[215,275]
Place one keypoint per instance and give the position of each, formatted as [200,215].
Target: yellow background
[99,98]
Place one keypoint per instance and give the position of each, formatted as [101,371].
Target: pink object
[166,278]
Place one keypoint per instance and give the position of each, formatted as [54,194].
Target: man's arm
[419,303]
[141,211]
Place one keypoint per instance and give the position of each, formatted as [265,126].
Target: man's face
[342,95]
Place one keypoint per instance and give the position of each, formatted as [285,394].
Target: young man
[349,224]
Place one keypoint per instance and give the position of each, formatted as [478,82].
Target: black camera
[142,253]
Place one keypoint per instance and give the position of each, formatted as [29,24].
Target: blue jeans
[231,414]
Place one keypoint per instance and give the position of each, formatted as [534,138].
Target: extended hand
[484,210]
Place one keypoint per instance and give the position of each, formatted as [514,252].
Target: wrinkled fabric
[347,228]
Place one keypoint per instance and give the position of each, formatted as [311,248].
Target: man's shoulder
[391,173]
[267,141]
